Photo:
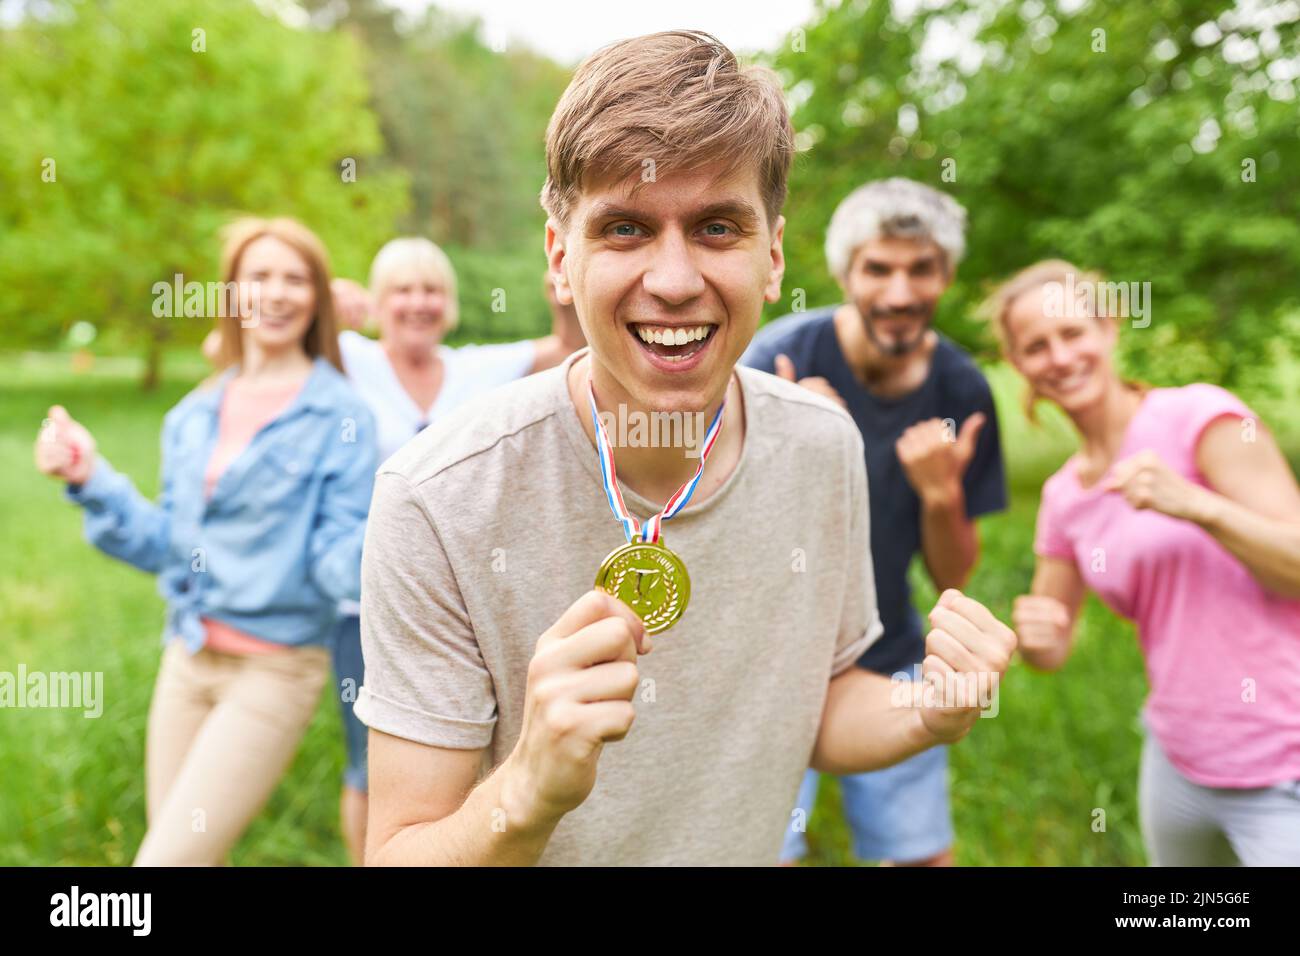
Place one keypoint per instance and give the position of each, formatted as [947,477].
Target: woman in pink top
[1181,513]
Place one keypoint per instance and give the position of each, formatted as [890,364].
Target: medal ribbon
[605,452]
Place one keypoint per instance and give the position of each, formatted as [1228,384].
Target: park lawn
[1050,780]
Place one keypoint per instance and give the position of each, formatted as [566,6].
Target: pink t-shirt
[1222,653]
[245,409]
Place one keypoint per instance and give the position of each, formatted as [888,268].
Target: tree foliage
[136,128]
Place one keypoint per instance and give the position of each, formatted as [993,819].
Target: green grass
[1026,784]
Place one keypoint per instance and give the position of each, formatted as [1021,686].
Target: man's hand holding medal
[581,681]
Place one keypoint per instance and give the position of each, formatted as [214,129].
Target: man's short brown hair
[679,99]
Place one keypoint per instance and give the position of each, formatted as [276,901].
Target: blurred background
[1158,142]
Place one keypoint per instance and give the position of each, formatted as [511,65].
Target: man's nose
[673,276]
[898,296]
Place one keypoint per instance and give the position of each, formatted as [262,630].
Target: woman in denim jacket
[267,472]
[409,378]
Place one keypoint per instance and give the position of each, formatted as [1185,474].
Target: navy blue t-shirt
[955,389]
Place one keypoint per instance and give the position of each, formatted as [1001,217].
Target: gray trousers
[1186,824]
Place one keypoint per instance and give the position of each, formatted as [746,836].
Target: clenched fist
[966,653]
[353,303]
[64,449]
[1042,626]
[1146,481]
[581,682]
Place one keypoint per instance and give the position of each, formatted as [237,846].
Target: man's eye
[717,229]
[625,229]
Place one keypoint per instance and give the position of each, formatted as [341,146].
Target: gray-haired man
[933,462]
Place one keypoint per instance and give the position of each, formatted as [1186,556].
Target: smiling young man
[933,462]
[486,644]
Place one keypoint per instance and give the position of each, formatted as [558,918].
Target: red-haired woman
[267,471]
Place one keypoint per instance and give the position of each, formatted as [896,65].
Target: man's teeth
[661,335]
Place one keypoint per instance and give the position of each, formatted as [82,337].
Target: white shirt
[467,373]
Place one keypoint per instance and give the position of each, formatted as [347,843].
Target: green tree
[136,128]
[467,124]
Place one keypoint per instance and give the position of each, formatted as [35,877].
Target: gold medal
[650,579]
[644,573]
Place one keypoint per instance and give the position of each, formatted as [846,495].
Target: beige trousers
[223,729]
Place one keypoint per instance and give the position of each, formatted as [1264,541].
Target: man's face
[895,285]
[668,282]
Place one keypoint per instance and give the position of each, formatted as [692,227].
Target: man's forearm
[948,542]
[491,828]
[869,722]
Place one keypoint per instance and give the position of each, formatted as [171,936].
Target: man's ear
[555,263]
[772,291]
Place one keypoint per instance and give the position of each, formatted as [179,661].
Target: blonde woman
[267,472]
[410,378]
[1181,513]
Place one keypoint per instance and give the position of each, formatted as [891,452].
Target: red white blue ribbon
[605,453]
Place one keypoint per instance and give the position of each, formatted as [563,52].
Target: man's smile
[673,348]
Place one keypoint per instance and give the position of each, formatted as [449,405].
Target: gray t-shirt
[491,522]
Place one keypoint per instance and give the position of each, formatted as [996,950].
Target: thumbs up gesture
[64,449]
[785,369]
[934,458]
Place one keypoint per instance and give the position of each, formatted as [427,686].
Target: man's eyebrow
[738,209]
[926,259]
[609,210]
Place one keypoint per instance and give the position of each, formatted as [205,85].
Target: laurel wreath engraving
[664,612]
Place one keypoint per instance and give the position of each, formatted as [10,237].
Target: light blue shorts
[899,814]
[349,665]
